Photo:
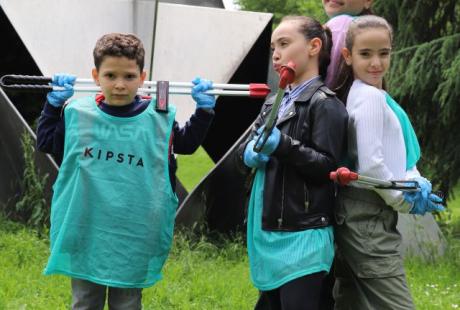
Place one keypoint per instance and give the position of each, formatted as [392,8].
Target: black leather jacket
[298,194]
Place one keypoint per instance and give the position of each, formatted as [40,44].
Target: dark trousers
[303,293]
[87,295]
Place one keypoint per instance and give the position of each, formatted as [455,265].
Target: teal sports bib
[113,208]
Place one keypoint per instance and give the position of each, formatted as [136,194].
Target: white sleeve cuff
[403,206]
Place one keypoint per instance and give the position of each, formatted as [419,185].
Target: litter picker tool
[43,83]
[344,176]
[287,75]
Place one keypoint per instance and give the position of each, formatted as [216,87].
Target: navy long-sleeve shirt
[185,140]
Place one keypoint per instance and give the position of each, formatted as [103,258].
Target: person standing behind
[289,229]
[113,206]
[340,14]
[381,144]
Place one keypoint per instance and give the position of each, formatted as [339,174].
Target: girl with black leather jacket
[289,233]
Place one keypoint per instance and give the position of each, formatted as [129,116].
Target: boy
[113,206]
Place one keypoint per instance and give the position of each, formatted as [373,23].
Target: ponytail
[325,53]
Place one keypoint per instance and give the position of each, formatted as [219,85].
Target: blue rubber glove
[423,201]
[272,142]
[253,159]
[58,97]
[202,100]
[434,203]
[423,205]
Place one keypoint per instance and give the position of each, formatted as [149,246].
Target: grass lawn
[199,274]
[436,285]
[192,168]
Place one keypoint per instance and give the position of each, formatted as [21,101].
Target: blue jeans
[87,295]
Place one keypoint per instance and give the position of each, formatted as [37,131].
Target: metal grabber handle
[43,83]
[287,75]
[344,176]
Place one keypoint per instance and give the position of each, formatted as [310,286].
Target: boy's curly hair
[119,44]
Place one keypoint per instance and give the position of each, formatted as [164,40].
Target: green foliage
[449,220]
[419,21]
[282,8]
[32,208]
[424,79]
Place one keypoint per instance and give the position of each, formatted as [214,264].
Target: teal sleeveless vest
[278,257]
[113,208]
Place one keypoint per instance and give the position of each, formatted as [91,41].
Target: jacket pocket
[371,228]
[382,267]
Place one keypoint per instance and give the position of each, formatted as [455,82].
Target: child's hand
[202,100]
[421,205]
[272,142]
[253,159]
[58,97]
[424,200]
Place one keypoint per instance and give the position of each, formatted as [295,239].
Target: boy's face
[119,79]
[352,7]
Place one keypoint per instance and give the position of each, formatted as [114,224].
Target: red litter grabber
[43,83]
[287,75]
[344,176]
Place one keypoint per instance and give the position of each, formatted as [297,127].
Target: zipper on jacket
[280,220]
[306,198]
[293,126]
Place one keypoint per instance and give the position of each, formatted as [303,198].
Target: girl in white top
[381,144]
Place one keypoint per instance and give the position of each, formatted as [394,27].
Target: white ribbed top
[375,141]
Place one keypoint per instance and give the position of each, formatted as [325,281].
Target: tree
[424,78]
[282,8]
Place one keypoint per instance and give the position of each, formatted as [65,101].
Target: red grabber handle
[343,176]
[258,90]
[287,75]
